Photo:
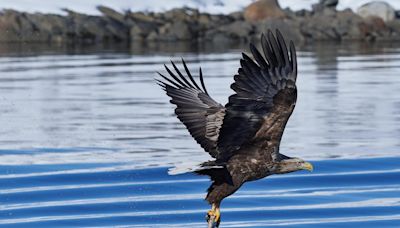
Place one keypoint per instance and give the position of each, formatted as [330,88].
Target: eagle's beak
[307,166]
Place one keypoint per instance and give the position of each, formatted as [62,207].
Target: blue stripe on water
[338,193]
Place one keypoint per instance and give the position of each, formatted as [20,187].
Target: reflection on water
[78,122]
[106,104]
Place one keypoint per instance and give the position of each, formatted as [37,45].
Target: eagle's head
[289,165]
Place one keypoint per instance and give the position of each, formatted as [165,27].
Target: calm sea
[87,138]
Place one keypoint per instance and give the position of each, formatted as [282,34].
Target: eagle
[243,136]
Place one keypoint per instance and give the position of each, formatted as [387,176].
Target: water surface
[87,138]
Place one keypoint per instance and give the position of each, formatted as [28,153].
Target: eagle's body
[244,135]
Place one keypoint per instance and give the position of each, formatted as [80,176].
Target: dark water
[86,139]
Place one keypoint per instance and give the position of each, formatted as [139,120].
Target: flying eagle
[244,135]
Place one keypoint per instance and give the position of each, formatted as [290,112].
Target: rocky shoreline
[184,24]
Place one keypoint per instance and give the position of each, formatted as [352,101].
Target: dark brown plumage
[244,135]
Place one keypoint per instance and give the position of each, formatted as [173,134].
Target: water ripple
[87,141]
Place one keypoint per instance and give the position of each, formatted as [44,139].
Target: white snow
[212,6]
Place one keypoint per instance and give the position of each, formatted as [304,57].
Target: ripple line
[387,202]
[131,167]
[171,197]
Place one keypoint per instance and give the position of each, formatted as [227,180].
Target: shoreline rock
[263,9]
[185,24]
[377,9]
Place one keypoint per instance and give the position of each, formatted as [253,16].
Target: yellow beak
[308,166]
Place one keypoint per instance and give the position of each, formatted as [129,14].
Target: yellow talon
[214,216]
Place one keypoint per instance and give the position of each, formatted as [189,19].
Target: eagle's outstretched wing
[264,99]
[201,114]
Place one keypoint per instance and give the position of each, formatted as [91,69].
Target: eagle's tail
[194,167]
[219,175]
[213,169]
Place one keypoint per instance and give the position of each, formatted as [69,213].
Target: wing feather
[265,96]
[256,114]
[201,114]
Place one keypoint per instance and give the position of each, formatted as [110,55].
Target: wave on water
[87,139]
[343,193]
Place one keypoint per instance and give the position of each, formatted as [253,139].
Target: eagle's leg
[214,216]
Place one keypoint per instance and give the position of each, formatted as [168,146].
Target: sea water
[87,138]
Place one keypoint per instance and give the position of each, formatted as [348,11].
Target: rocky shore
[324,22]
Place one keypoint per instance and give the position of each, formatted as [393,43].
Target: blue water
[87,139]
[339,193]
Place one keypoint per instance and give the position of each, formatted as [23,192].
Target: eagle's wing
[201,114]
[264,99]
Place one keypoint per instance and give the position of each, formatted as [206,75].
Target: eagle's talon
[213,217]
[208,216]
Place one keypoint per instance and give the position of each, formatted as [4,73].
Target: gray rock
[377,9]
[289,13]
[320,27]
[237,15]
[91,30]
[394,27]
[237,30]
[329,3]
[327,12]
[204,19]
[142,17]
[347,25]
[140,30]
[317,7]
[153,36]
[51,24]
[17,26]
[137,33]
[188,24]
[178,30]
[112,14]
[302,13]
[117,32]
[289,28]
[219,20]
[325,5]
[181,14]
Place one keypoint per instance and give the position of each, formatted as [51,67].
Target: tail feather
[192,167]
[218,176]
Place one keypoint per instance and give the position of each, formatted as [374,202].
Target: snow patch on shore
[211,6]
